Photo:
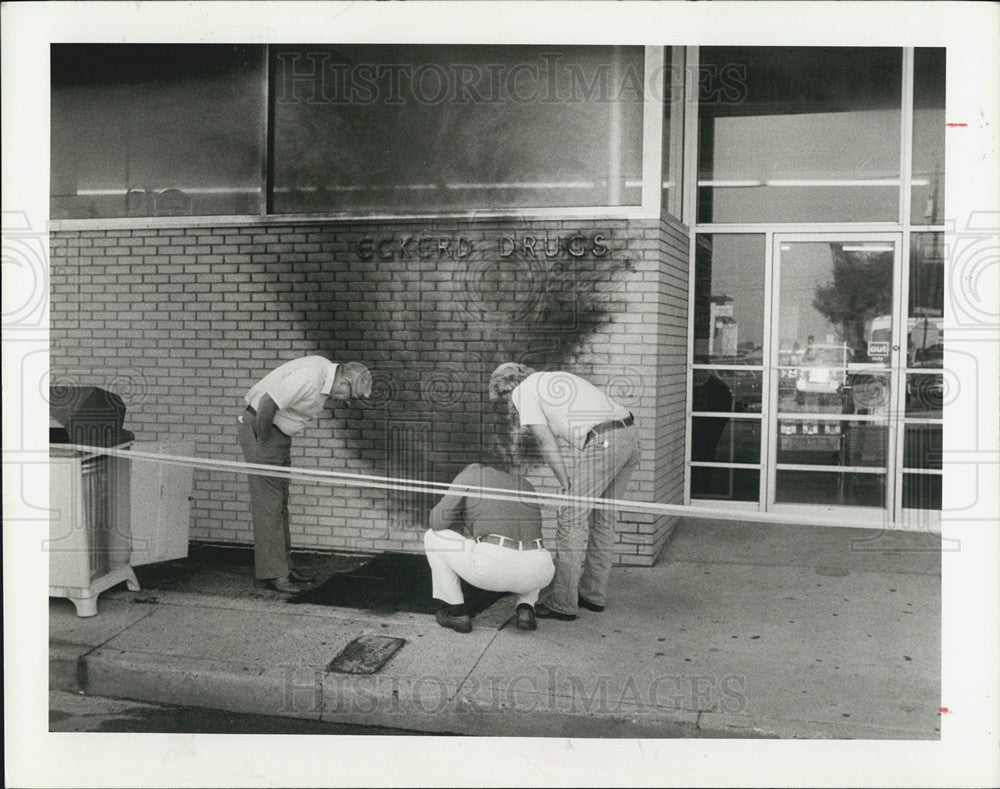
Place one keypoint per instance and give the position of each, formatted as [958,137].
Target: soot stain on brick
[431,331]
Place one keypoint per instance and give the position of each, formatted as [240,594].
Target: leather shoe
[585,603]
[302,576]
[460,624]
[284,585]
[542,611]
[526,617]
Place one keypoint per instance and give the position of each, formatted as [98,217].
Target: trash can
[87,415]
[90,540]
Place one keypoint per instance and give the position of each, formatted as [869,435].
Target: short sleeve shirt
[299,389]
[568,404]
[476,516]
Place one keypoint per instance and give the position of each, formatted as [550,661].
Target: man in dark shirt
[493,544]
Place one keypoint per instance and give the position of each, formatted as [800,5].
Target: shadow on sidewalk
[388,583]
[384,584]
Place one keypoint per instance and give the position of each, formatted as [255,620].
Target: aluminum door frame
[888,515]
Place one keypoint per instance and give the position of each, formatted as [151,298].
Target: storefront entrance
[844,414]
[834,371]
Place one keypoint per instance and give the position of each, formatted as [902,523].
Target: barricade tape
[478,491]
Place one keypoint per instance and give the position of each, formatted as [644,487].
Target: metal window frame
[267,133]
[770,503]
[677,134]
[900,232]
[922,518]
[649,208]
[652,130]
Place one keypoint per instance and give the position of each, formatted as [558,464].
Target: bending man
[560,405]
[278,407]
[493,544]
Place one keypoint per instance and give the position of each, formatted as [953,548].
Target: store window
[729,299]
[925,325]
[925,375]
[927,204]
[727,380]
[427,128]
[799,134]
[156,130]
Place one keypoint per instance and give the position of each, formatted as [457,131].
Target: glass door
[834,353]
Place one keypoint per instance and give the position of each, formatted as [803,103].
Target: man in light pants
[491,543]
[560,405]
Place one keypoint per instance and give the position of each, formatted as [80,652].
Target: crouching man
[493,544]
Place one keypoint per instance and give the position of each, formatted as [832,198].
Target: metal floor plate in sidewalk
[366,654]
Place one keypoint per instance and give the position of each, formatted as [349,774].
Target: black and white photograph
[610,385]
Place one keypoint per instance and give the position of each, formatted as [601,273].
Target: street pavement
[77,712]
[740,630]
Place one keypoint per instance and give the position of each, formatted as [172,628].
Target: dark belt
[611,424]
[507,542]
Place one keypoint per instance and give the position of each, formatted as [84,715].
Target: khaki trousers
[268,501]
[585,536]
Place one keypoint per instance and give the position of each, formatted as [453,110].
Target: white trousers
[453,556]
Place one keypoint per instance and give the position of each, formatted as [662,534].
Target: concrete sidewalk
[741,630]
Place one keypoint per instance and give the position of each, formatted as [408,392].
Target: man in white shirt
[278,407]
[560,406]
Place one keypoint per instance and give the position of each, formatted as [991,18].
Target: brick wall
[181,321]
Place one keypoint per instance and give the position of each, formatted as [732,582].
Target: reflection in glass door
[833,350]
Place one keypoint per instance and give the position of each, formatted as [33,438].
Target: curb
[400,702]
[373,700]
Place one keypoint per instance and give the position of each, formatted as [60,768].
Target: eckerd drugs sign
[459,247]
